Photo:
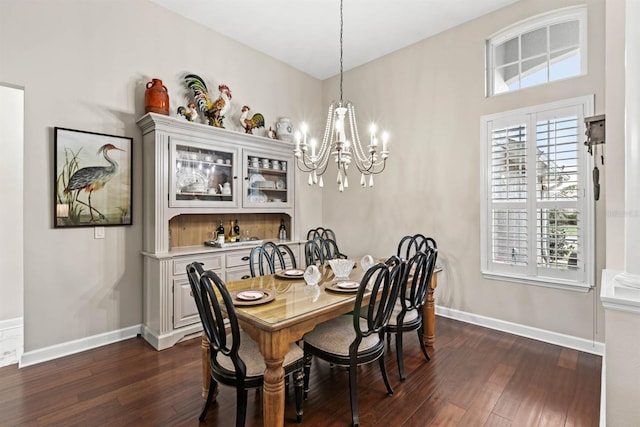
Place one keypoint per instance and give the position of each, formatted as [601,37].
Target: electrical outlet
[98,233]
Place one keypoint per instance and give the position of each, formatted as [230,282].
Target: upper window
[539,50]
[537,204]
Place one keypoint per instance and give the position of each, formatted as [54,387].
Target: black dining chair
[235,357]
[327,234]
[270,257]
[320,250]
[358,338]
[407,313]
[409,245]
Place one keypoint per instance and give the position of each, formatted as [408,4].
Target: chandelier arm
[371,170]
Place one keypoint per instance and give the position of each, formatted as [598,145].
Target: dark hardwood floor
[476,377]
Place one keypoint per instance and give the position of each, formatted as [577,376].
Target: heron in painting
[93,178]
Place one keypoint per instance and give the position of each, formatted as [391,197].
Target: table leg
[429,314]
[273,349]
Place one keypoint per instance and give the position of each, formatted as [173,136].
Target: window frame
[584,107]
[518,29]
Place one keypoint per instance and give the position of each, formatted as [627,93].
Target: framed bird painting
[92,179]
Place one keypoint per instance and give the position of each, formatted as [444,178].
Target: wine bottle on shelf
[282,232]
[220,231]
[236,230]
[232,234]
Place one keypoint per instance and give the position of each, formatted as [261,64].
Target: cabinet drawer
[238,259]
[211,262]
[238,274]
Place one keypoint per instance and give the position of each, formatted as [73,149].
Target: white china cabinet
[198,174]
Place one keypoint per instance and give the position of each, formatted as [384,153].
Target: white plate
[191,180]
[250,295]
[347,285]
[294,272]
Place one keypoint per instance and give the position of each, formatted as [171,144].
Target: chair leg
[383,370]
[399,355]
[307,373]
[213,387]
[241,407]
[298,380]
[422,344]
[353,394]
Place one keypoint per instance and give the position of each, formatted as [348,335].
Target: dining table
[292,309]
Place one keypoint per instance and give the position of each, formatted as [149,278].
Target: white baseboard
[11,341]
[76,346]
[556,338]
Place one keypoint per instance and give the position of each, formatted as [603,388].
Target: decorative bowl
[341,267]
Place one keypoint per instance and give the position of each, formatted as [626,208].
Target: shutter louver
[558,221]
[508,194]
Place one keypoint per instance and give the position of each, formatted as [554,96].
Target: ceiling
[306,33]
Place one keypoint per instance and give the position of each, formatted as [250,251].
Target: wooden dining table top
[294,299]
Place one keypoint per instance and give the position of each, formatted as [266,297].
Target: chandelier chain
[341,29]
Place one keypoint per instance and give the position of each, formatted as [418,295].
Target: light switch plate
[98,233]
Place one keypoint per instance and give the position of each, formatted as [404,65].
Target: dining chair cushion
[250,354]
[408,317]
[336,335]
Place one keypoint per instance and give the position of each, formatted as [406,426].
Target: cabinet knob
[246,178]
[245,277]
[245,258]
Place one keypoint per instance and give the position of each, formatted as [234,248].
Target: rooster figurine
[214,110]
[190,114]
[256,121]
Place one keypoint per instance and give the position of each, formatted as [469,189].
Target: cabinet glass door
[202,175]
[268,180]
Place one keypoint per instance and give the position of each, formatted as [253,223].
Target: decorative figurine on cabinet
[214,111]
[271,133]
[256,121]
[191,114]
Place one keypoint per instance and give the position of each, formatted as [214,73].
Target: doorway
[11,224]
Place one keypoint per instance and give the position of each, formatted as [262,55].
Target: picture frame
[92,179]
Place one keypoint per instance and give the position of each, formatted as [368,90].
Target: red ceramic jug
[156,98]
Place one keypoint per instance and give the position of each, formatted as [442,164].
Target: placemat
[269,296]
[333,287]
[283,274]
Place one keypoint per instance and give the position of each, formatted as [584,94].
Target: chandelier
[342,141]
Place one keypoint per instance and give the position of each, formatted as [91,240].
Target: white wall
[431,97]
[84,65]
[11,187]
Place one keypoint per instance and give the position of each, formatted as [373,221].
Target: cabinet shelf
[268,171]
[280,190]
